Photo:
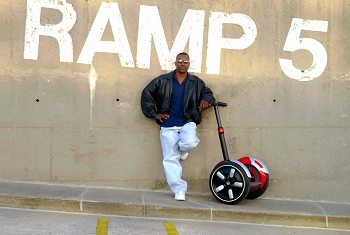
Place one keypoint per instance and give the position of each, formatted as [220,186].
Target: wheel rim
[227,183]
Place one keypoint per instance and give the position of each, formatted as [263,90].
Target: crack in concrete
[82,198]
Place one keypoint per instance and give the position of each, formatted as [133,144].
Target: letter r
[58,31]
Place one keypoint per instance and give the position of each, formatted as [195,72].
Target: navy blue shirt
[176,117]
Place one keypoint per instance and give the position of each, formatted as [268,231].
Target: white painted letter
[59,31]
[294,42]
[191,30]
[107,12]
[216,41]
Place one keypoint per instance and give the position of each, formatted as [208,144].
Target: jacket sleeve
[148,105]
[207,94]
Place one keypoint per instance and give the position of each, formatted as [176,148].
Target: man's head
[182,62]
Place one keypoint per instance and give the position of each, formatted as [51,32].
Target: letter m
[150,26]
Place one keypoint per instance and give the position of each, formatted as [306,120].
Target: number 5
[294,42]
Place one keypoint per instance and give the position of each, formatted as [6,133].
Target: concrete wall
[55,126]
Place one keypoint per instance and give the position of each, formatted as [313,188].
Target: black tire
[256,189]
[229,182]
[253,194]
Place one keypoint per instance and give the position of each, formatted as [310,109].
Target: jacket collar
[170,75]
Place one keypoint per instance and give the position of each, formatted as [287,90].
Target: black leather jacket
[156,97]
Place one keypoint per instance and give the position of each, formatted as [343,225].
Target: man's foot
[180,196]
[183,156]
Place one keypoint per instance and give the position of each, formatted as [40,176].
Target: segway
[232,181]
[229,181]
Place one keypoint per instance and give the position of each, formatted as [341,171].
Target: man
[175,100]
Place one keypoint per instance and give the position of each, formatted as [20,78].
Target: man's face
[182,63]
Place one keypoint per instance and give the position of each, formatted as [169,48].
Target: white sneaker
[183,156]
[180,196]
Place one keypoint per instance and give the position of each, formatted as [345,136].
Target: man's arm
[148,105]
[207,97]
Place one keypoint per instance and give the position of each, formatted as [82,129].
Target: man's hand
[161,117]
[204,105]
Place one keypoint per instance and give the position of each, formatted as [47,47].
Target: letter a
[107,12]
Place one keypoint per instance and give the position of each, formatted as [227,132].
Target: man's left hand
[204,105]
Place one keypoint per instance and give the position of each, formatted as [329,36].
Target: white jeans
[174,140]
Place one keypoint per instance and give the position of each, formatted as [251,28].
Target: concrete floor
[34,222]
[157,204]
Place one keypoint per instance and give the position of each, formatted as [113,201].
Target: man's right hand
[160,117]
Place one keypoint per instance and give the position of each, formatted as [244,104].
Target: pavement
[161,204]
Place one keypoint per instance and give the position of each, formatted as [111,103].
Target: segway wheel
[229,182]
[259,176]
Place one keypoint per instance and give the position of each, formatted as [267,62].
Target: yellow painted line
[170,228]
[102,226]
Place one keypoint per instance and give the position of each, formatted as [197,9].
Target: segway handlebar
[219,103]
